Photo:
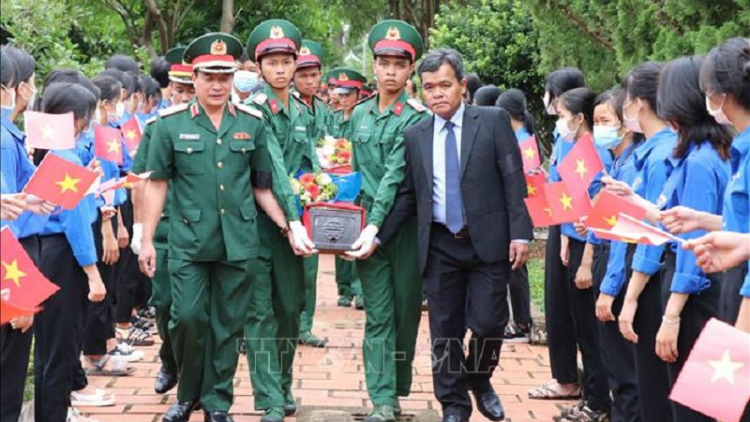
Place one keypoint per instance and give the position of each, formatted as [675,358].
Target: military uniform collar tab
[232,111]
[195,110]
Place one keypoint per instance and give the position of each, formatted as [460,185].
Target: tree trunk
[147,27]
[161,24]
[227,16]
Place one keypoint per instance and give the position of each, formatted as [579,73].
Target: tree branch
[584,26]
[161,25]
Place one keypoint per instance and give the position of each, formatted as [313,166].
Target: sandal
[99,399]
[126,352]
[117,368]
[134,336]
[546,392]
[75,416]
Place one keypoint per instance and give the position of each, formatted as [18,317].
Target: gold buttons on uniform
[244,150]
[189,150]
[221,187]
[218,141]
[222,211]
[220,164]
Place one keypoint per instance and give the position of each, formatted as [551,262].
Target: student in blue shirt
[609,261]
[563,352]
[68,259]
[699,172]
[641,310]
[514,102]
[725,80]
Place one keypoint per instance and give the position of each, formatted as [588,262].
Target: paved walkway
[334,377]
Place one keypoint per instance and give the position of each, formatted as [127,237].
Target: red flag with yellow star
[579,168]
[9,311]
[535,184]
[607,209]
[530,154]
[131,131]
[567,206]
[21,282]
[60,182]
[50,131]
[715,380]
[108,144]
[539,210]
[641,232]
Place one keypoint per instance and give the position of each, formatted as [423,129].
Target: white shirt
[438,160]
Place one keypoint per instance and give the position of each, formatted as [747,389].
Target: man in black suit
[473,227]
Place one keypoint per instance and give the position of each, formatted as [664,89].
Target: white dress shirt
[438,160]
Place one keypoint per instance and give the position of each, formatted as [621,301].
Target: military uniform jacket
[339,127]
[378,146]
[212,173]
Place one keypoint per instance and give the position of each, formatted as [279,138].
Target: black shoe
[310,339]
[290,405]
[489,405]
[180,411]
[165,381]
[454,418]
[217,416]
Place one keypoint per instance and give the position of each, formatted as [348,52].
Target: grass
[536,283]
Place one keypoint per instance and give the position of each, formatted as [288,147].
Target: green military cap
[311,54]
[179,71]
[395,38]
[274,36]
[214,53]
[347,80]
[366,91]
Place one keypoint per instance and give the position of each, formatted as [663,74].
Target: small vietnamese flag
[566,206]
[530,153]
[60,182]
[23,285]
[579,168]
[539,210]
[535,184]
[50,131]
[608,208]
[117,183]
[131,131]
[108,144]
[9,311]
[640,232]
[715,379]
[605,234]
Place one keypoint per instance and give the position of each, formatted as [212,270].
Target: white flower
[329,149]
[324,179]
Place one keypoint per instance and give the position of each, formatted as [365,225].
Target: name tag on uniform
[190,136]
[300,128]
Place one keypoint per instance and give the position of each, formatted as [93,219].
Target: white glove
[366,244]
[135,241]
[299,239]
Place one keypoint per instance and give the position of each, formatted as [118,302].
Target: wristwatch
[285,231]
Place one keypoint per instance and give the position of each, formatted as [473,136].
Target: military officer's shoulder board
[249,110]
[416,105]
[260,99]
[364,100]
[297,95]
[151,120]
[169,111]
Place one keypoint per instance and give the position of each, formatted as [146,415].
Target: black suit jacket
[493,185]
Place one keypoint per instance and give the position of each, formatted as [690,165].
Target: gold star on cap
[581,168]
[68,183]
[725,368]
[343,77]
[276,32]
[218,48]
[393,34]
[304,51]
[566,201]
[13,273]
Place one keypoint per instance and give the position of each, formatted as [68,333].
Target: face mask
[548,106]
[98,115]
[88,127]
[631,123]
[607,136]
[120,109]
[30,101]
[12,105]
[718,115]
[564,130]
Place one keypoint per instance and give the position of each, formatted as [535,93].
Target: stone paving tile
[334,376]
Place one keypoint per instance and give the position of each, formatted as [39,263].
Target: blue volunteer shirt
[736,213]
[560,150]
[75,224]
[522,134]
[696,181]
[614,278]
[649,183]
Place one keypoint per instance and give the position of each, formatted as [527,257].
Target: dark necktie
[453,205]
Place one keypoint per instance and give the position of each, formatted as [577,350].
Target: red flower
[314,191]
[307,179]
[345,155]
[340,144]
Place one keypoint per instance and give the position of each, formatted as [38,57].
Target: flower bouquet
[335,155]
[313,188]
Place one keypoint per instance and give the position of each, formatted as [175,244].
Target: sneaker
[381,413]
[100,398]
[344,301]
[514,334]
[127,353]
[134,336]
[359,302]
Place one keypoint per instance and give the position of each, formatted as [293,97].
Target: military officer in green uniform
[180,77]
[347,86]
[220,166]
[391,281]
[273,322]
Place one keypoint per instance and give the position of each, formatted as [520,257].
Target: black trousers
[618,354]
[133,288]
[99,323]
[15,348]
[696,313]
[58,330]
[651,371]
[561,341]
[520,296]
[583,313]
[454,273]
[731,300]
